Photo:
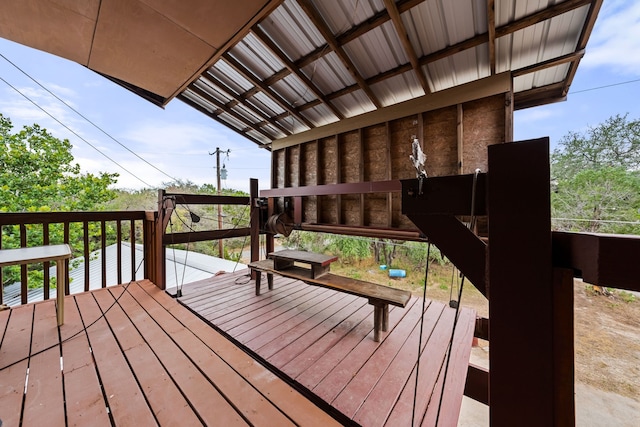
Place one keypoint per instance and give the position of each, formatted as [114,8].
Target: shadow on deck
[321,341]
[130,355]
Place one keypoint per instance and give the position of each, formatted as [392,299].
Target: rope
[424,303]
[471,226]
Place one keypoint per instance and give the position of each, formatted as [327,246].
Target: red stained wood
[298,408]
[126,401]
[84,401]
[325,345]
[156,362]
[44,404]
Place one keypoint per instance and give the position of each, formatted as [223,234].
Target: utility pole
[217,154]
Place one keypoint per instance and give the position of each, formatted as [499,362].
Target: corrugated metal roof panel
[377,51]
[398,88]
[455,32]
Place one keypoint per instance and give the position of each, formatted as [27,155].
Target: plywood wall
[454,138]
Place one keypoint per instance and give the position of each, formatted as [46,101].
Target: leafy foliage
[596,178]
[37,174]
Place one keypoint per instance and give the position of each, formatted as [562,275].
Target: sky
[176,142]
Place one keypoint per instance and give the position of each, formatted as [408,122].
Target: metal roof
[310,63]
[271,68]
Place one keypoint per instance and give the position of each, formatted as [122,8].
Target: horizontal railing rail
[89,234]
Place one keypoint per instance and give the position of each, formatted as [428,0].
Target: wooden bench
[379,296]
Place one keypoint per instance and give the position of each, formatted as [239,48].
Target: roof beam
[491,31]
[582,41]
[295,70]
[322,27]
[266,89]
[470,43]
[244,100]
[406,43]
[229,111]
[570,57]
[214,116]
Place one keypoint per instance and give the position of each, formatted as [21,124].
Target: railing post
[254,223]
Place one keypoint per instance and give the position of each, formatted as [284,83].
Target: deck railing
[90,234]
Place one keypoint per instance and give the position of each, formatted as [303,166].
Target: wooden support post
[563,348]
[522,387]
[254,238]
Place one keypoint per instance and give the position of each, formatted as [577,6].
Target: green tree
[596,178]
[37,174]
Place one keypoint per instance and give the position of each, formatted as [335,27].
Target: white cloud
[615,41]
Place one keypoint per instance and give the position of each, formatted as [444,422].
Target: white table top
[34,254]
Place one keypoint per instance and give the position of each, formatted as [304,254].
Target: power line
[605,86]
[75,133]
[88,120]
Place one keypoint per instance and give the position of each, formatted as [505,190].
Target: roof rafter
[470,43]
[491,31]
[406,43]
[295,70]
[215,117]
[229,111]
[266,89]
[244,100]
[322,27]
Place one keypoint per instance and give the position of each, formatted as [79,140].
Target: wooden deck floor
[132,356]
[322,341]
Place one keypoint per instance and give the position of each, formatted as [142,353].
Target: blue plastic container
[397,273]
[383,267]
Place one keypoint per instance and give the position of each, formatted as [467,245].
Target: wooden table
[37,254]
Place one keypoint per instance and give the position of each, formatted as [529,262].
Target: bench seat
[379,296]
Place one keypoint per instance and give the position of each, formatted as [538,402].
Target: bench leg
[258,275]
[270,280]
[61,274]
[380,319]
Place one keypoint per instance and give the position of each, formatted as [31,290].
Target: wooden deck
[132,356]
[322,341]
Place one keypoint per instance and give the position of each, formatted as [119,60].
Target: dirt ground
[607,334]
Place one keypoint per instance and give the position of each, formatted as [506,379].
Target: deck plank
[84,400]
[294,341]
[125,399]
[14,362]
[297,407]
[325,346]
[297,324]
[254,407]
[341,377]
[44,398]
[166,401]
[388,389]
[314,348]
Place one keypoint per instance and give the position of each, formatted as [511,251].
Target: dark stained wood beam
[470,43]
[491,31]
[582,42]
[229,111]
[600,259]
[214,116]
[394,13]
[289,65]
[323,28]
[570,57]
[284,104]
[244,100]
[539,95]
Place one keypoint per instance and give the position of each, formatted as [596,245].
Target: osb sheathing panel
[375,153]
[402,132]
[349,154]
[380,153]
[483,122]
[376,213]
[439,141]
